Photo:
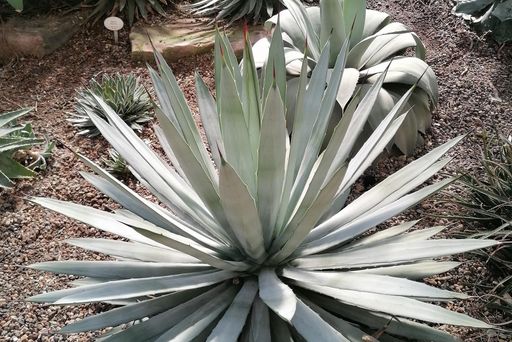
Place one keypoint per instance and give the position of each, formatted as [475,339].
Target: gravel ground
[475,92]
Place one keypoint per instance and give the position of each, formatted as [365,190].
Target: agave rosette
[233,10]
[376,44]
[123,93]
[256,240]
[131,8]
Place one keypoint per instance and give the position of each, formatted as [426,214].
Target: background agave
[123,93]
[487,199]
[131,8]
[488,15]
[262,246]
[233,10]
[16,158]
[376,44]
[116,164]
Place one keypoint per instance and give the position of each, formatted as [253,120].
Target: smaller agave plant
[132,8]
[256,241]
[116,164]
[233,10]
[17,160]
[123,93]
[376,47]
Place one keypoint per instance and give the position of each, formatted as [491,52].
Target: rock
[39,36]
[185,37]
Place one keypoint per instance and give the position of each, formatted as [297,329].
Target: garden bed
[475,80]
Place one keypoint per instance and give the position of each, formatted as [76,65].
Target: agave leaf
[354,13]
[332,27]
[12,169]
[384,43]
[383,235]
[275,70]
[312,327]
[251,94]
[131,312]
[183,115]
[5,181]
[417,270]
[210,119]
[369,283]
[279,330]
[194,324]
[241,213]
[133,202]
[8,117]
[393,325]
[278,296]
[132,251]
[203,254]
[349,331]
[348,86]
[398,306]
[391,254]
[396,181]
[128,288]
[233,321]
[146,163]
[373,21]
[151,329]
[406,70]
[7,144]
[260,322]
[303,125]
[299,14]
[239,151]
[271,162]
[116,269]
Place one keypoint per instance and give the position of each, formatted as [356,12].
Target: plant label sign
[114,24]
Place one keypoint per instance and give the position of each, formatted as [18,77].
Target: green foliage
[376,45]
[256,240]
[233,10]
[488,15]
[123,93]
[487,199]
[131,8]
[16,4]
[17,160]
[116,164]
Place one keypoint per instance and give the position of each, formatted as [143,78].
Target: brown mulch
[475,79]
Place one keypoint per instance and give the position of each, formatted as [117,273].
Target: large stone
[37,36]
[183,38]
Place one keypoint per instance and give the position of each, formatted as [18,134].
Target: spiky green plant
[123,93]
[116,164]
[233,10]
[16,158]
[16,4]
[487,199]
[131,8]
[259,244]
[376,44]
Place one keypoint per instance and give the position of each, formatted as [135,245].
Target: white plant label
[114,24]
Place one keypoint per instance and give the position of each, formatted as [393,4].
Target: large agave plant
[233,10]
[16,159]
[376,45]
[123,93]
[260,246]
